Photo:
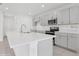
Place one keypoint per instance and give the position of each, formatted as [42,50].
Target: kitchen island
[31,44]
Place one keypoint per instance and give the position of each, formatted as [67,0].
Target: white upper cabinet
[65,16]
[59,17]
[74,14]
[44,20]
[68,15]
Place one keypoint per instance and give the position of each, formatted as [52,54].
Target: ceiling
[28,8]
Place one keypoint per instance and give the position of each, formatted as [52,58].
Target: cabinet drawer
[73,35]
[61,40]
[61,34]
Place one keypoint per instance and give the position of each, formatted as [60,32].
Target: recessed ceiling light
[42,5]
[6,8]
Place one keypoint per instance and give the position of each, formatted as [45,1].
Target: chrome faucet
[22,26]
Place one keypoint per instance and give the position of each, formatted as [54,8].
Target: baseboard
[66,48]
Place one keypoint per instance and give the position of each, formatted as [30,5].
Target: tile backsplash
[67,28]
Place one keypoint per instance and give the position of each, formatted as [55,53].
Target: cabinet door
[72,42]
[44,20]
[61,40]
[74,15]
[59,17]
[78,44]
[65,16]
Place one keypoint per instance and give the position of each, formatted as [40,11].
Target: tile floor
[57,51]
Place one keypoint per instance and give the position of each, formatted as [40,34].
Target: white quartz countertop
[17,39]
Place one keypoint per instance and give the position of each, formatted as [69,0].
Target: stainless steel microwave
[52,22]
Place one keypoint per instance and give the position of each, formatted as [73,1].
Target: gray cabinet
[68,40]
[61,39]
[78,44]
[73,41]
[74,14]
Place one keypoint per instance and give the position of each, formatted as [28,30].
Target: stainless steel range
[52,32]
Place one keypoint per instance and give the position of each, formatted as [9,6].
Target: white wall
[9,23]
[1,26]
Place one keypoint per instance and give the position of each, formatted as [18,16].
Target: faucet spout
[23,27]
